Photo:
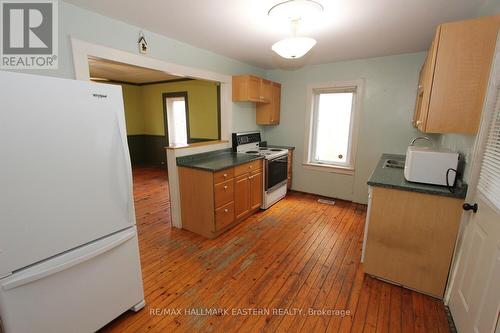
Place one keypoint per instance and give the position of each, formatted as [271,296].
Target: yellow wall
[144,107]
[132,104]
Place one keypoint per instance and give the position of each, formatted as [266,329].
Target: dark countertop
[394,178]
[283,147]
[216,160]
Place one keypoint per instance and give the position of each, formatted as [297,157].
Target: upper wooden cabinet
[249,88]
[269,113]
[454,77]
[267,95]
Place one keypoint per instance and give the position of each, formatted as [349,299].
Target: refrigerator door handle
[22,280]
[128,168]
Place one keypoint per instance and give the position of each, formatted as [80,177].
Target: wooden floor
[296,256]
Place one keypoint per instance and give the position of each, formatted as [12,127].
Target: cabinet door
[418,100]
[241,195]
[256,189]
[269,113]
[266,91]
[254,88]
[425,85]
[246,88]
[276,104]
[461,74]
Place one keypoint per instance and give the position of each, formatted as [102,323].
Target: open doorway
[161,109]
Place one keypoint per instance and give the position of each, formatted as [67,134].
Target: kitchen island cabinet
[214,201]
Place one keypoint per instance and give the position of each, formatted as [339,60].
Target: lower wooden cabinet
[211,202]
[410,238]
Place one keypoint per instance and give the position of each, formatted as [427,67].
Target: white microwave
[431,166]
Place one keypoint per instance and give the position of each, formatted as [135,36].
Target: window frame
[313,92]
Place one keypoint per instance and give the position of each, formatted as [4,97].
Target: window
[333,125]
[177,118]
[489,176]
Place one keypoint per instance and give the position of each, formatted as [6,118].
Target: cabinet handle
[225,175]
[251,166]
[225,187]
[226,210]
[419,122]
[420,86]
[250,178]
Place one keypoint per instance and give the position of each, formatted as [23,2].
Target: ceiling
[241,29]
[104,70]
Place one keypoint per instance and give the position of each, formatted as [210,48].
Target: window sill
[329,168]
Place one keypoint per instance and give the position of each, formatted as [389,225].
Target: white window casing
[314,91]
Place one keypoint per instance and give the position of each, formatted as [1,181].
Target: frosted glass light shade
[294,47]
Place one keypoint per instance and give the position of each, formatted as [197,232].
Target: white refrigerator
[69,257]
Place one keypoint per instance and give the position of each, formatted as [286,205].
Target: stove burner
[252,152]
[275,149]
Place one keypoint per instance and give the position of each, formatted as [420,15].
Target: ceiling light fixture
[294,11]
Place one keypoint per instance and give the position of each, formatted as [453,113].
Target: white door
[65,175]
[475,293]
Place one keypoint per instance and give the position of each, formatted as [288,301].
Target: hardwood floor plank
[395,310]
[407,316]
[384,309]
[373,308]
[418,312]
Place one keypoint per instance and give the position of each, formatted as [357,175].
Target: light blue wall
[94,28]
[489,7]
[385,124]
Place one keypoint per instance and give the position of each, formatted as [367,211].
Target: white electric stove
[275,165]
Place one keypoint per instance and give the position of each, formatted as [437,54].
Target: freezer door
[79,291]
[65,175]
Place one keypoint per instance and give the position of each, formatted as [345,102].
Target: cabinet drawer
[247,167]
[223,193]
[223,175]
[224,216]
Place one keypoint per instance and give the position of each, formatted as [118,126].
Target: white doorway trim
[81,52]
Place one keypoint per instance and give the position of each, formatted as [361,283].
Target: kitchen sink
[397,164]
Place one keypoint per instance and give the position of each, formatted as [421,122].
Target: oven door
[276,171]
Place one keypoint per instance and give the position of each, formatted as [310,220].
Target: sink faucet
[421,138]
